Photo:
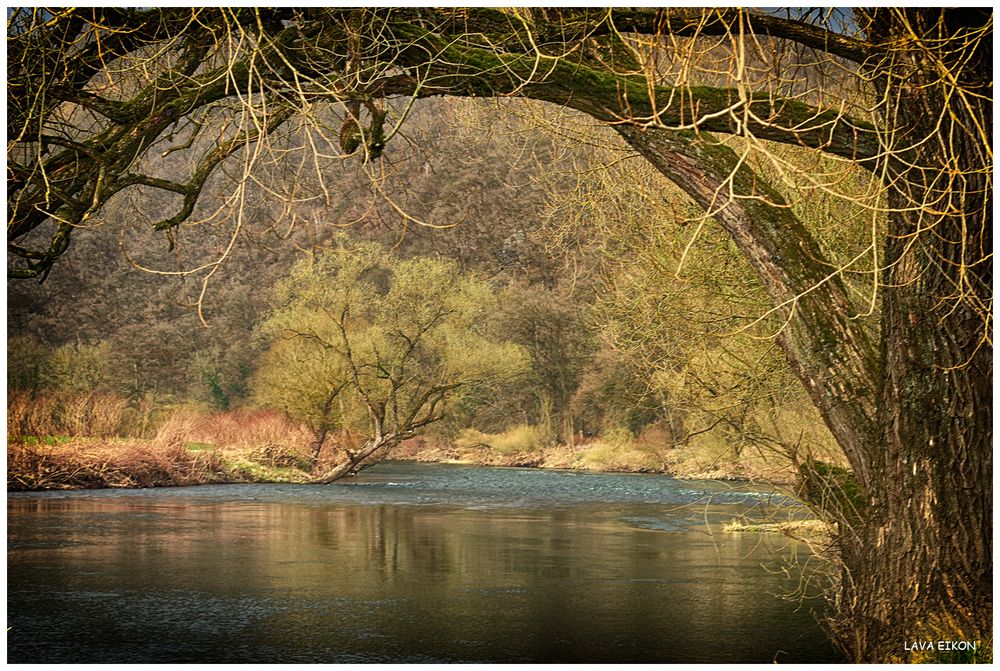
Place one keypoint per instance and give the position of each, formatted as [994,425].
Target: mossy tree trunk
[827,348]
[915,419]
[927,557]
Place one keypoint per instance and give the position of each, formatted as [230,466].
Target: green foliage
[222,375]
[26,360]
[364,341]
[77,367]
[251,471]
[219,398]
[35,441]
[687,330]
[198,447]
[72,368]
[300,379]
[549,325]
[241,385]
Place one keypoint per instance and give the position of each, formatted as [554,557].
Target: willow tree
[363,341]
[104,101]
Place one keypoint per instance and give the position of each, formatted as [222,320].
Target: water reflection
[150,578]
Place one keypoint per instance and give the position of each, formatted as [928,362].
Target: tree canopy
[98,98]
[365,342]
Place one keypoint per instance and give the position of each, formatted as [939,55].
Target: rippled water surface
[406,563]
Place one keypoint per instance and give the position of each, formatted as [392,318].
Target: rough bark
[915,419]
[369,455]
[317,445]
[923,568]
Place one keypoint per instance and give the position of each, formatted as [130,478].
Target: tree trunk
[918,556]
[923,566]
[317,446]
[369,455]
[825,345]
[923,561]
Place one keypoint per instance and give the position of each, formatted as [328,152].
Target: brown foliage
[243,429]
[66,441]
[73,414]
[99,464]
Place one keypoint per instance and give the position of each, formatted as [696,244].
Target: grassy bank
[51,447]
[191,457]
[528,446]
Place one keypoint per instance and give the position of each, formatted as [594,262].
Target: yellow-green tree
[365,341]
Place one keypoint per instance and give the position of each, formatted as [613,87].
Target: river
[407,563]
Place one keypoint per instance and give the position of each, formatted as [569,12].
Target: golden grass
[603,456]
[520,439]
[811,531]
[704,458]
[245,429]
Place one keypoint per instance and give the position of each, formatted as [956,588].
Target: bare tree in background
[103,101]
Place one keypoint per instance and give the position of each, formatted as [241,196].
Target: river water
[407,563]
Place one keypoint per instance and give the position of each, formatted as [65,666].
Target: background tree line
[576,278]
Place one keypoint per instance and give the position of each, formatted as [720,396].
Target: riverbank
[98,463]
[35,464]
[693,463]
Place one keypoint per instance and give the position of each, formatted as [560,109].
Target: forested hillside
[554,223]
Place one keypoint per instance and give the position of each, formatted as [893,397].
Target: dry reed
[242,430]
[96,464]
[71,414]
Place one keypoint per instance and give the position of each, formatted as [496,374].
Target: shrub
[65,413]
[235,429]
[521,439]
[280,456]
[619,456]
[80,368]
